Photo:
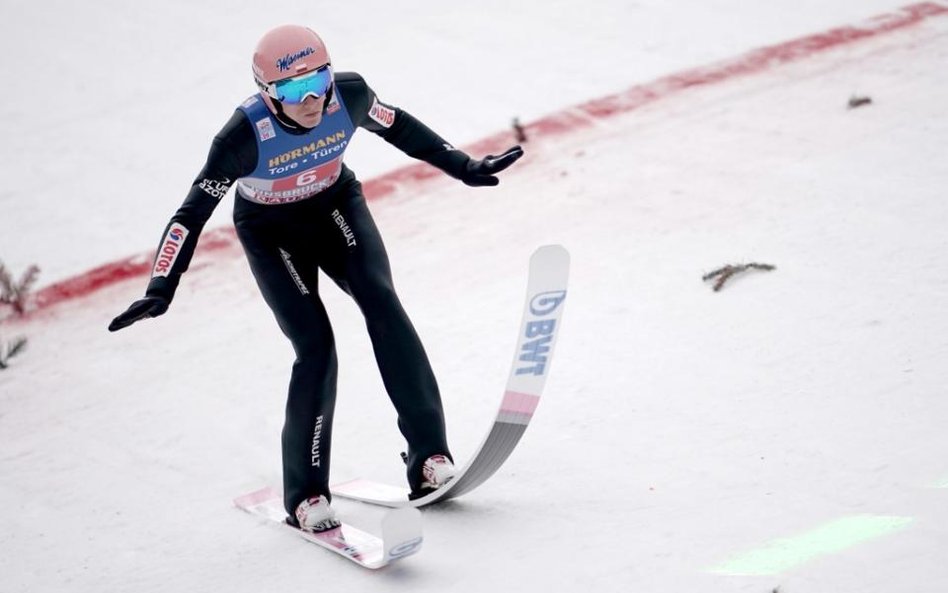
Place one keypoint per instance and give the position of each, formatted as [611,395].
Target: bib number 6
[307,178]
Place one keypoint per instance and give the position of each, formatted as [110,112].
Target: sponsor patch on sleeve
[385,116]
[214,188]
[169,250]
[265,129]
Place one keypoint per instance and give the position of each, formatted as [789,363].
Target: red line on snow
[557,124]
[117,271]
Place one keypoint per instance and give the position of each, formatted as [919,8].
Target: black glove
[150,306]
[481,172]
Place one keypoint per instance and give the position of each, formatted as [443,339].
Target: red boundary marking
[568,120]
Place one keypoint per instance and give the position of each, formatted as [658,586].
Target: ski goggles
[295,90]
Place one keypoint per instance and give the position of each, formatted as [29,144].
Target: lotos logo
[286,61]
[385,116]
[539,333]
[169,250]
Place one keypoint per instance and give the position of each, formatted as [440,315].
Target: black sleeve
[233,154]
[398,127]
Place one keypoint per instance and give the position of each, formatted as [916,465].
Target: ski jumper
[299,209]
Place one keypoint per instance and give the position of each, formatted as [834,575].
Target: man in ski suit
[300,209]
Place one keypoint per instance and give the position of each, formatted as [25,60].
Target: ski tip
[550,260]
[546,255]
[402,524]
[402,533]
[554,249]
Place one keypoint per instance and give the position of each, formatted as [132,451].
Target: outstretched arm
[227,160]
[414,138]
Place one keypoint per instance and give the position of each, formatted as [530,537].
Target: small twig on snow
[724,274]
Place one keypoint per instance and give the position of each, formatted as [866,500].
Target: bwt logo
[539,333]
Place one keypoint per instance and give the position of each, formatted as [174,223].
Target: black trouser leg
[357,261]
[287,277]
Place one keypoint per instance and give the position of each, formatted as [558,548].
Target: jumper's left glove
[478,173]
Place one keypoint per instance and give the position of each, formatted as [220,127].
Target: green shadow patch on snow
[783,554]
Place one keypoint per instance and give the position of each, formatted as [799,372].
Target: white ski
[543,308]
[401,531]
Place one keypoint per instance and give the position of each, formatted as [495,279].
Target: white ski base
[401,531]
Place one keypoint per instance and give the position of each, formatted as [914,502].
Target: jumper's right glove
[150,306]
[478,173]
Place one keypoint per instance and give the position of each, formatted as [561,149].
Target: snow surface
[680,427]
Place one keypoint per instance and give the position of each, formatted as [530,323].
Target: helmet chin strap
[283,118]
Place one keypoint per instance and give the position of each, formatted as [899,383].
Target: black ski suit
[287,237]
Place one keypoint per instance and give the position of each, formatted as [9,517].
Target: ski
[543,309]
[401,531]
